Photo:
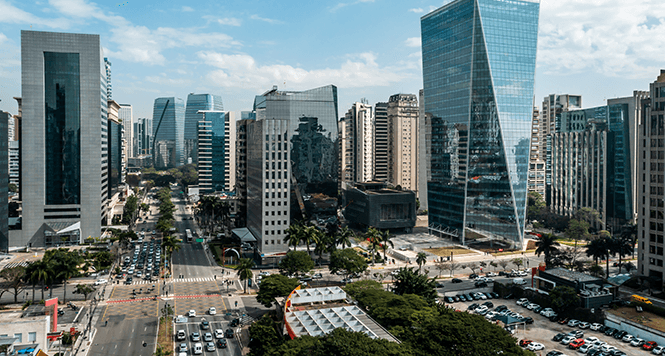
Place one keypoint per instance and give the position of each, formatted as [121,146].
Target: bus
[189,235]
[641,299]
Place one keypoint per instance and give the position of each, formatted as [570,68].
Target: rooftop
[572,276]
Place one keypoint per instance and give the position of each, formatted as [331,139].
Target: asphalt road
[124,336]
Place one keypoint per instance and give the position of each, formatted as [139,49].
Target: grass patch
[447,251]
[165,335]
[531,245]
[513,252]
[644,318]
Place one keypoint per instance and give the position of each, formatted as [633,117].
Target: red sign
[72,331]
[51,307]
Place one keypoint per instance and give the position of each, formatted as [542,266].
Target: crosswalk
[16,264]
[185,280]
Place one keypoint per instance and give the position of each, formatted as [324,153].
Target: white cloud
[417,10]
[612,37]
[412,42]
[229,21]
[242,71]
[270,21]
[14,15]
[84,9]
[345,4]
[187,9]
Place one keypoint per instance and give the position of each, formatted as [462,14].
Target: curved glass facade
[196,103]
[479,60]
[168,135]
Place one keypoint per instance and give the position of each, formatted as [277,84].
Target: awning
[243,234]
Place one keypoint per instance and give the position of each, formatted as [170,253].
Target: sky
[369,49]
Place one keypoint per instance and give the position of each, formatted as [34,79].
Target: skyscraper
[217,151]
[357,144]
[4,177]
[479,60]
[195,104]
[142,137]
[64,133]
[403,141]
[126,117]
[381,142]
[168,123]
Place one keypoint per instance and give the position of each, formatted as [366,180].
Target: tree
[518,262]
[296,262]
[294,235]
[356,288]
[494,265]
[311,235]
[263,336]
[622,246]
[577,230]
[440,266]
[386,242]
[503,264]
[344,237]
[598,248]
[421,259]
[408,281]
[374,238]
[564,298]
[546,244]
[171,244]
[15,280]
[273,286]
[596,270]
[244,270]
[347,260]
[66,272]
[13,188]
[535,205]
[42,272]
[473,266]
[84,289]
[452,266]
[588,215]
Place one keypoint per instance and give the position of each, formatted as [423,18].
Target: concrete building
[4,177]
[356,130]
[64,138]
[381,142]
[117,164]
[268,186]
[126,118]
[424,151]
[195,104]
[217,151]
[372,204]
[14,171]
[25,329]
[536,181]
[168,123]
[142,137]
[478,89]
[403,141]
[651,184]
[109,88]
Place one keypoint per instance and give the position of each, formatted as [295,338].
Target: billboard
[51,308]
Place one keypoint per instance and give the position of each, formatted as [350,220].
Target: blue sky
[369,48]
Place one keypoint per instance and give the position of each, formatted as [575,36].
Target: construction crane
[154,138]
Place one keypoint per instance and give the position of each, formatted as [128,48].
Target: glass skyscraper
[168,132]
[196,103]
[479,60]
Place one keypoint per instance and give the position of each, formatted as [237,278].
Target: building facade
[651,184]
[403,141]
[268,185]
[479,59]
[4,177]
[424,151]
[195,104]
[64,137]
[168,123]
[591,164]
[142,137]
[126,118]
[381,142]
[217,151]
[241,166]
[356,131]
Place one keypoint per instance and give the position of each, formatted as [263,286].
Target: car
[658,350]
[347,280]
[559,337]
[212,311]
[449,299]
[462,297]
[521,301]
[100,281]
[317,276]
[585,348]
[195,336]
[489,304]
[197,349]
[525,342]
[649,345]
[205,325]
[627,338]
[228,333]
[591,340]
[568,339]
[576,333]
[210,347]
[554,353]
[594,326]
[620,335]
[191,313]
[610,331]
[573,323]
[456,280]
[472,306]
[480,284]
[219,334]
[181,335]
[473,276]
[575,344]
[532,306]
[221,343]
[583,325]
[182,347]
[637,342]
[527,320]
[490,274]
[535,346]
[494,295]
[538,309]
[235,322]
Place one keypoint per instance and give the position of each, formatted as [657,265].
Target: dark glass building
[312,132]
[115,157]
[196,103]
[479,60]
[216,152]
[168,132]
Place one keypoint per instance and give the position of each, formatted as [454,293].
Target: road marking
[116,346]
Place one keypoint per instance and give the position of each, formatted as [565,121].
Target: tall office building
[126,117]
[241,165]
[217,151]
[403,141]
[651,182]
[14,170]
[479,60]
[64,132]
[116,152]
[381,142]
[196,103]
[312,119]
[268,185]
[424,150]
[109,88]
[168,123]
[591,164]
[356,130]
[4,177]
[143,137]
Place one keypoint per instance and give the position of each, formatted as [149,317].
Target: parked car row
[464,297]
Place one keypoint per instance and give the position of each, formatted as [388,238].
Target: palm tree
[170,244]
[421,258]
[546,244]
[597,248]
[66,272]
[385,242]
[311,235]
[374,239]
[31,276]
[621,246]
[245,270]
[344,237]
[293,235]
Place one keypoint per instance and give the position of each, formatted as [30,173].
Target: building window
[18,337]
[32,337]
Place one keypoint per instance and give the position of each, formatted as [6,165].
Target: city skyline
[599,51]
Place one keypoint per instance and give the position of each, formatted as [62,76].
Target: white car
[590,340]
[628,338]
[535,346]
[637,342]
[658,350]
[212,311]
[219,334]
[191,313]
[522,301]
[573,322]
[595,326]
[583,325]
[100,281]
[198,348]
[532,306]
[567,340]
[585,348]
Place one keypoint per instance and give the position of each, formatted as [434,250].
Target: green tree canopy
[274,286]
[563,298]
[296,262]
[410,281]
[263,334]
[347,260]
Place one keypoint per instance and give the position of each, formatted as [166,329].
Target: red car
[525,342]
[649,345]
[575,344]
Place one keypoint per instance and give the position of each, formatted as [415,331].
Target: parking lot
[543,330]
[216,322]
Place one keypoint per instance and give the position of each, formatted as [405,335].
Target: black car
[500,308]
[620,334]
[503,274]
[602,328]
[221,343]
[554,353]
[473,276]
[554,318]
[494,295]
[558,337]
[228,333]
[474,296]
[205,325]
[462,297]
[449,299]
[480,284]
[456,298]
[489,304]
[610,331]
[472,306]
[537,310]
[235,322]
[456,280]
[528,320]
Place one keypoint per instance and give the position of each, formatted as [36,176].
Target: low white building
[26,330]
